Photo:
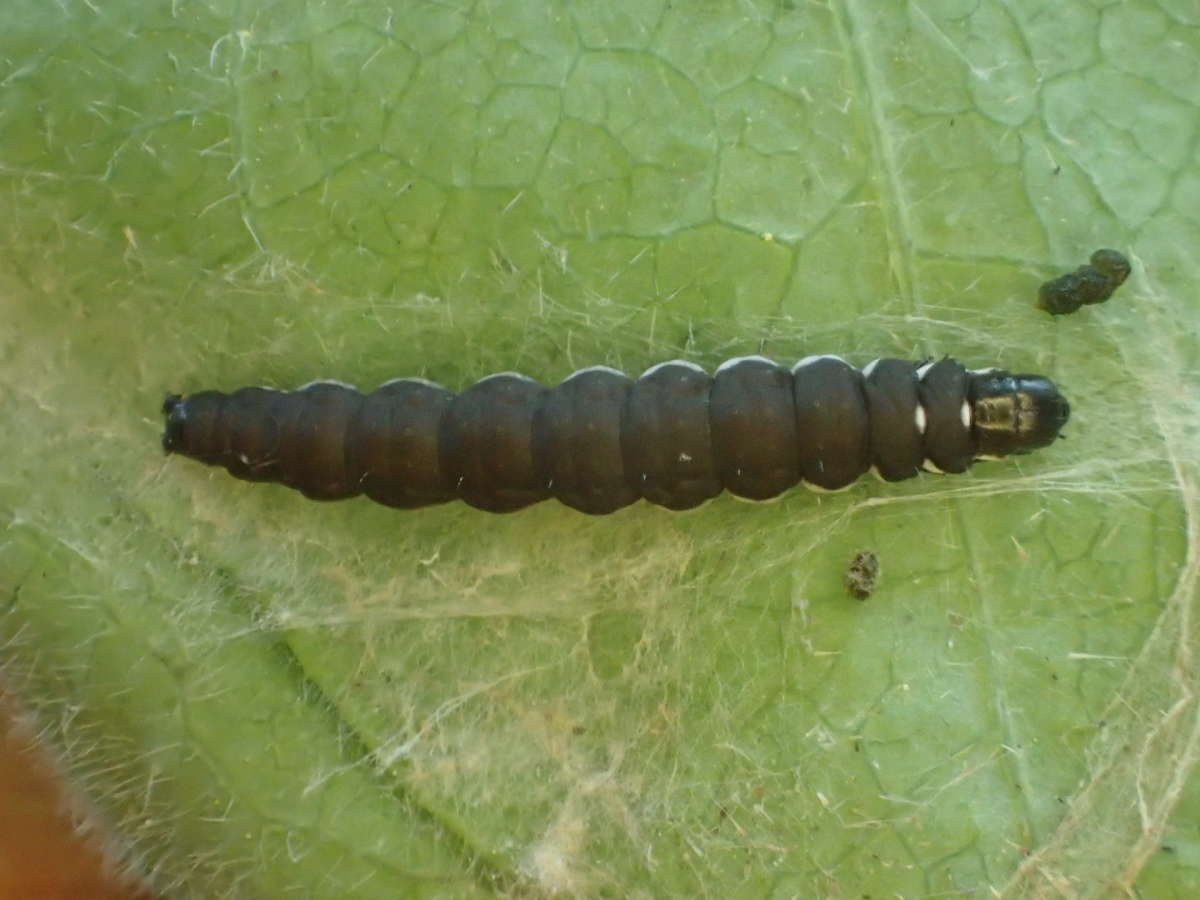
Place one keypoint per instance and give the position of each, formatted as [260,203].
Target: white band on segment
[334,381]
[741,499]
[869,368]
[414,380]
[672,362]
[609,369]
[919,418]
[817,489]
[921,370]
[965,415]
[809,360]
[516,375]
[737,360]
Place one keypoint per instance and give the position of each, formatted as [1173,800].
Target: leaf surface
[265,696]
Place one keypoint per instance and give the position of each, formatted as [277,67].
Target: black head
[1015,413]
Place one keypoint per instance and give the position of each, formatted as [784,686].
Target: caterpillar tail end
[172,436]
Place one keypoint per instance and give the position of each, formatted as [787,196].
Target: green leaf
[263,696]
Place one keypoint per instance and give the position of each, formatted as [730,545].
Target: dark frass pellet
[1093,283]
[862,576]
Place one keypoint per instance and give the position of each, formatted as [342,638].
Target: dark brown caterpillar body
[600,440]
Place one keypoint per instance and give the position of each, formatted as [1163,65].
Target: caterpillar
[676,436]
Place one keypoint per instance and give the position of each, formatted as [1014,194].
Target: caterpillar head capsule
[1015,413]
